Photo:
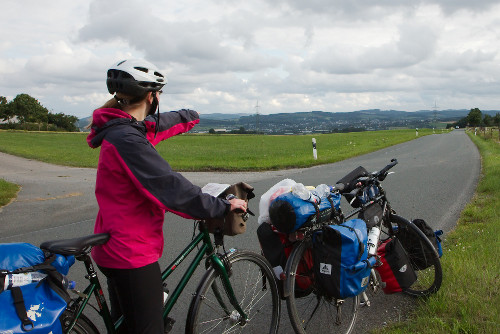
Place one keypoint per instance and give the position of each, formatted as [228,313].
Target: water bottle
[373,236]
[323,190]
[67,284]
[303,193]
[13,280]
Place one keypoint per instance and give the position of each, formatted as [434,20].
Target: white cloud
[290,55]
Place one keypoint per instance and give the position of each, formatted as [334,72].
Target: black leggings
[138,295]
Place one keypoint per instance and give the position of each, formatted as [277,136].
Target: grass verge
[469,299]
[8,191]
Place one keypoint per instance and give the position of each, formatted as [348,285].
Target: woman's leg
[138,295]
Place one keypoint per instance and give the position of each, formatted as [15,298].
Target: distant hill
[222,117]
[320,121]
[83,123]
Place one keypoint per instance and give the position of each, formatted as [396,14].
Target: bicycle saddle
[75,246]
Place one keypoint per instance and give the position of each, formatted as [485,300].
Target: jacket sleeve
[154,177]
[171,124]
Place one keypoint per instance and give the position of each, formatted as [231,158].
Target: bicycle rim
[256,290]
[313,313]
[423,258]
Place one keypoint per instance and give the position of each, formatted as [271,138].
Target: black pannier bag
[412,243]
[434,236]
[396,273]
[276,248]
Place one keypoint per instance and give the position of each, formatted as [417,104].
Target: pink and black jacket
[135,186]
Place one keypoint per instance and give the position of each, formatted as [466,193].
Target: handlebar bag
[34,307]
[396,273]
[349,181]
[372,215]
[341,266]
[289,212]
[233,223]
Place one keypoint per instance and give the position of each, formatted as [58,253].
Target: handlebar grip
[339,186]
[384,170]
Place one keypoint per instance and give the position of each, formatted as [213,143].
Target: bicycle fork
[374,285]
[238,316]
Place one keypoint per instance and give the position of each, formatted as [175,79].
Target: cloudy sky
[287,55]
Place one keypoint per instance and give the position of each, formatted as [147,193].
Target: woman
[134,188]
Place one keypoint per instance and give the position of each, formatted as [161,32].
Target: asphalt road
[435,178]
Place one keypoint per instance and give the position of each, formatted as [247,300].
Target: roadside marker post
[315,153]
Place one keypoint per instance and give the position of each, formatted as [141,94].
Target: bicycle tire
[258,297]
[83,324]
[429,279]
[316,313]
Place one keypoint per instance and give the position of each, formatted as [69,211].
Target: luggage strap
[360,244]
[17,295]
[45,265]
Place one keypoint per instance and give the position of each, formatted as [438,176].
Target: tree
[475,117]
[496,119]
[63,121]
[28,109]
[6,112]
[487,120]
[211,131]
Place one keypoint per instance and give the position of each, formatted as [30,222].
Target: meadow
[204,152]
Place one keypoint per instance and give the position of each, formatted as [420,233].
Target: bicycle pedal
[168,324]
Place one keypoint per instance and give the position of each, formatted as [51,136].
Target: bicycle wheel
[423,257]
[83,324]
[252,280]
[315,313]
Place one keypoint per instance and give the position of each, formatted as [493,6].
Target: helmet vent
[143,69]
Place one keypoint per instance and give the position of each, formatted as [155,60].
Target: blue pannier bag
[288,212]
[35,307]
[341,266]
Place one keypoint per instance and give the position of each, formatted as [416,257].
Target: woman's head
[133,82]
[134,77]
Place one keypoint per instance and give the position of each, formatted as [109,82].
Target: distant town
[327,122]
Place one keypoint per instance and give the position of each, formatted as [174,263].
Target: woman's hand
[238,205]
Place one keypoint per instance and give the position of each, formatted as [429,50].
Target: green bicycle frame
[213,260]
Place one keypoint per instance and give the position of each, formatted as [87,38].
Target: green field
[213,152]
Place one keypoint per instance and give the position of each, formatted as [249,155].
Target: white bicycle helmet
[134,77]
